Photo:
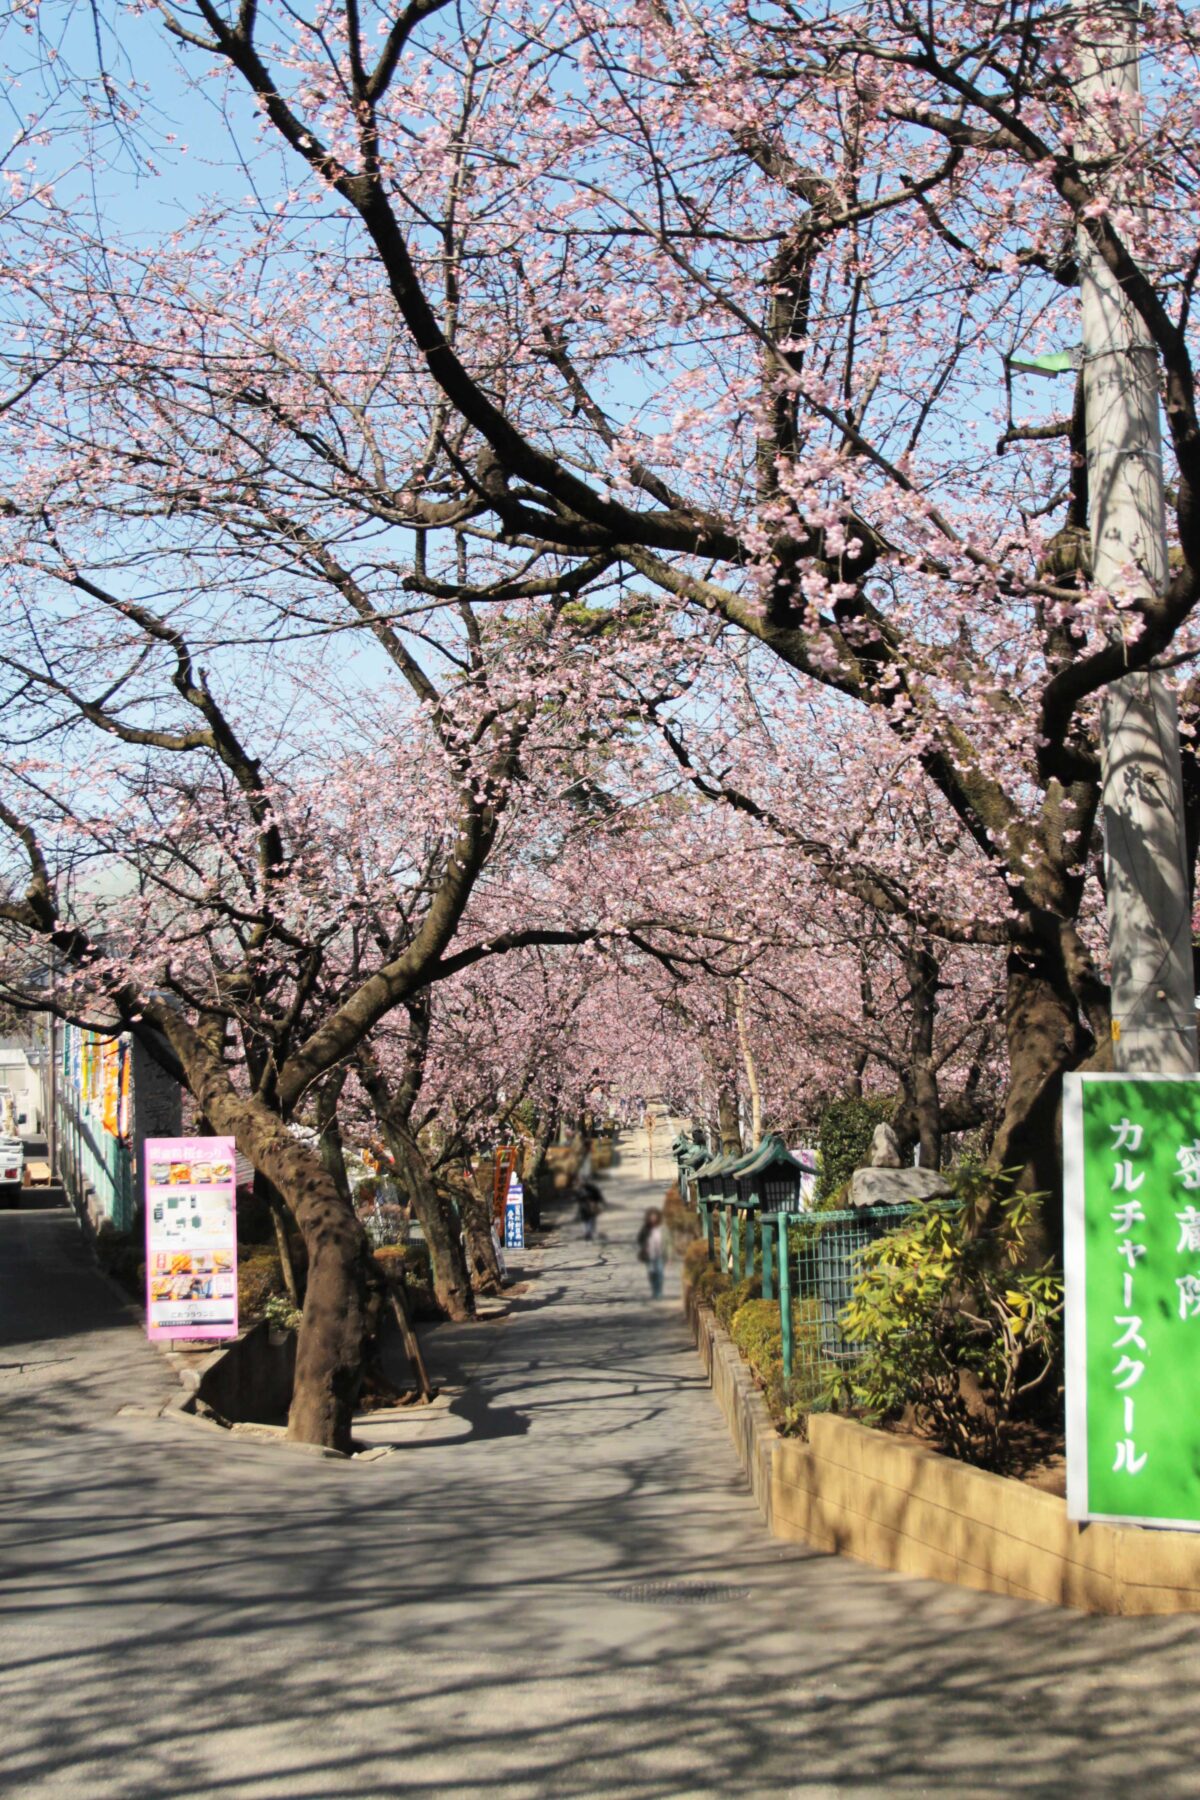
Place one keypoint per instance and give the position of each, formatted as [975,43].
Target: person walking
[591,1203]
[652,1250]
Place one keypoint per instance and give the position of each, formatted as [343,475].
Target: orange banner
[110,1086]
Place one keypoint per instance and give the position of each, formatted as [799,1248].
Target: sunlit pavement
[557,1587]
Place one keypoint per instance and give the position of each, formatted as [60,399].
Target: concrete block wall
[251,1377]
[861,1493]
[740,1401]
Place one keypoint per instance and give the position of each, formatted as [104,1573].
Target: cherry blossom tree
[756,280]
[250,927]
[702,316]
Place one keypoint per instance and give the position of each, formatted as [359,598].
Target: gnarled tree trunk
[1046,1039]
[338,1317]
[476,1215]
[436,1217]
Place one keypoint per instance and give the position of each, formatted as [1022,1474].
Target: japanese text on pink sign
[191,1238]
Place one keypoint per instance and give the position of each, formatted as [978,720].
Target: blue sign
[514,1216]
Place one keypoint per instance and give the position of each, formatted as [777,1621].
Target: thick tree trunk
[476,1216]
[436,1217]
[928,1107]
[337,1317]
[337,1322]
[1045,1040]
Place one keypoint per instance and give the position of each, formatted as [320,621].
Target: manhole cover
[679,1593]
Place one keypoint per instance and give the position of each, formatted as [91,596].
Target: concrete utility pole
[52,1083]
[1149,918]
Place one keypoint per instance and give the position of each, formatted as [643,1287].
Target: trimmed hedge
[734,1298]
[754,1326]
[710,1282]
[695,1260]
[757,1331]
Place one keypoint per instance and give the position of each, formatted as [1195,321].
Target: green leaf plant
[956,1323]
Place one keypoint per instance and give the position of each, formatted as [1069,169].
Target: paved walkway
[509,1606]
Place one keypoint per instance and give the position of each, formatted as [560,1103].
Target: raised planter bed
[248,1379]
[898,1506]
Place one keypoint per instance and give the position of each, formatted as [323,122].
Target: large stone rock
[896,1187]
[885,1148]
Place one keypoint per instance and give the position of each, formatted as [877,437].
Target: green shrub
[711,1282]
[281,1315]
[955,1323]
[260,1280]
[790,1399]
[735,1296]
[844,1140]
[757,1330]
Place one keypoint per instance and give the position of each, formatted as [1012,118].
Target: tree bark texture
[545,1133]
[728,1123]
[435,1215]
[476,1216]
[923,974]
[1045,1040]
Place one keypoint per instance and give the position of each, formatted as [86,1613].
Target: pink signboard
[191,1237]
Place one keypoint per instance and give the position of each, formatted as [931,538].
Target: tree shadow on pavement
[576,1599]
[321,1632]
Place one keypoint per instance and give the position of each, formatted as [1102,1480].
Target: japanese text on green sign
[1132,1155]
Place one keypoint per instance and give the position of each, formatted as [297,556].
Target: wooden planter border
[861,1493]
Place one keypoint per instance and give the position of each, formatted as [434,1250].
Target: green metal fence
[91,1162]
[810,1263]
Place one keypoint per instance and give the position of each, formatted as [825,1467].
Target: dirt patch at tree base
[1036,1454]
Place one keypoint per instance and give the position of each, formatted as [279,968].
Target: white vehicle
[12,1166]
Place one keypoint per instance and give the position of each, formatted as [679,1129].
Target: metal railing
[810,1263]
[815,1260]
[90,1160]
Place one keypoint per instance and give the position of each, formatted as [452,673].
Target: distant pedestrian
[652,1250]
[591,1204]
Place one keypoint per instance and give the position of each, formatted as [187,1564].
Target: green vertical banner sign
[1131,1148]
